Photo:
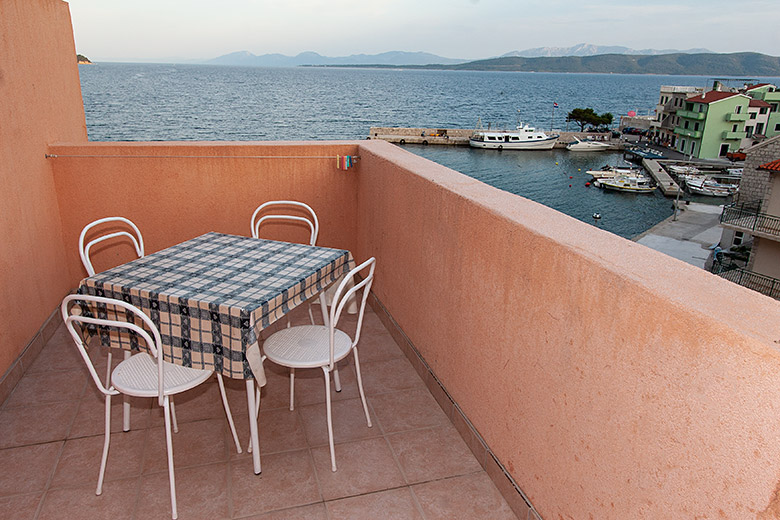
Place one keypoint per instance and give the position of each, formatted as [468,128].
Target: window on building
[760,128]
[774,107]
[689,106]
[701,107]
[753,115]
[739,237]
[749,131]
[682,145]
[724,149]
[762,110]
[693,148]
[738,109]
[777,127]
[734,127]
[686,125]
[696,126]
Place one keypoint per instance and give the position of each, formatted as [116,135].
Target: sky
[173,30]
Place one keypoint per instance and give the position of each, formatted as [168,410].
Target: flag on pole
[555,105]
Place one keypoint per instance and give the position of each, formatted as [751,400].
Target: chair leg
[125,401]
[360,386]
[330,419]
[169,443]
[336,379]
[292,389]
[226,406]
[106,442]
[173,415]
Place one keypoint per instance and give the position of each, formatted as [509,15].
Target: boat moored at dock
[587,145]
[628,183]
[525,137]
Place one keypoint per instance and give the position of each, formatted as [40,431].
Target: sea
[173,102]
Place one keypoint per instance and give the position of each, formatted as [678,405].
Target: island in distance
[579,58]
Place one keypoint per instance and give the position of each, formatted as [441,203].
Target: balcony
[732,117]
[694,134]
[733,135]
[760,283]
[746,216]
[688,114]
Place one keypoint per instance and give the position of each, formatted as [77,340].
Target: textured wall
[612,381]
[41,103]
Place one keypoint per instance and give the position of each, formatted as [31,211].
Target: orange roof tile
[759,103]
[773,166]
[711,97]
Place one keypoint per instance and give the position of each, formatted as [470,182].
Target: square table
[212,295]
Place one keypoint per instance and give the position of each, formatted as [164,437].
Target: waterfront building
[757,123]
[672,98]
[712,124]
[755,216]
[770,94]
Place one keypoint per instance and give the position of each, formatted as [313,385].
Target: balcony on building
[587,375]
[733,117]
[689,114]
[695,134]
[748,217]
[728,134]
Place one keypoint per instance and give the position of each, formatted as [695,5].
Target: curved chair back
[342,296]
[101,306]
[135,237]
[277,205]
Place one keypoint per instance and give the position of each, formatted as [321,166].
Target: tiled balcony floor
[411,464]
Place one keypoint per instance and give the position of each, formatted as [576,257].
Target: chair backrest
[342,296]
[275,213]
[137,239]
[79,310]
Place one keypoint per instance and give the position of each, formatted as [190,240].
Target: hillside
[737,64]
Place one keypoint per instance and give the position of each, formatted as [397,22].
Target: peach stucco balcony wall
[612,381]
[176,191]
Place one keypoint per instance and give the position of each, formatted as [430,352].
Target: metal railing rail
[757,282]
[747,215]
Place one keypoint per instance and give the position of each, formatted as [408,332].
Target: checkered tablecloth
[212,295]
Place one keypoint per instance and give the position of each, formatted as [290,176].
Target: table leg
[250,398]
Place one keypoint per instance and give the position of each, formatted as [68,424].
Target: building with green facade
[712,124]
[768,93]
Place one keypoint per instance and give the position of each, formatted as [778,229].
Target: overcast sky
[161,30]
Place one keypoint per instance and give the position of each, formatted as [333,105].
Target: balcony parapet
[746,216]
[689,114]
[735,117]
[695,134]
[733,135]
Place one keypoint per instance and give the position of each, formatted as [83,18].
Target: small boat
[588,145]
[628,183]
[700,185]
[523,138]
[609,172]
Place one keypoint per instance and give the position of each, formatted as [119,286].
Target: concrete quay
[668,187]
[690,237]
[460,136]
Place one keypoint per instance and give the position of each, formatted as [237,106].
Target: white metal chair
[130,231]
[145,374]
[134,234]
[312,346]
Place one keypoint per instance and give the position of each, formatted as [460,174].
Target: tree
[586,116]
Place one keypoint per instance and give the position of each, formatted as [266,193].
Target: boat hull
[587,147]
[537,144]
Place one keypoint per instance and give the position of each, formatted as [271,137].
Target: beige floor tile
[201,493]
[378,346]
[47,387]
[311,512]
[197,443]
[116,502]
[396,504]
[27,469]
[407,410]
[90,418]
[462,498]
[79,464]
[432,454]
[287,480]
[392,375]
[19,507]
[310,385]
[349,422]
[60,353]
[363,467]
[279,430]
[202,402]
[36,424]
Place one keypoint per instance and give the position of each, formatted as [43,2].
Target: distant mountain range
[312,58]
[588,49]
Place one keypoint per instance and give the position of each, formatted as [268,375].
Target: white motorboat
[628,183]
[588,145]
[701,185]
[610,172]
[523,138]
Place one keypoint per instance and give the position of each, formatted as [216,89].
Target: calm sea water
[148,102]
